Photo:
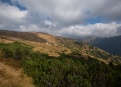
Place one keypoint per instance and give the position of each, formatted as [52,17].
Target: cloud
[44,26]
[70,12]
[63,17]
[48,24]
[31,27]
[77,31]
[98,30]
[11,16]
[110,10]
[11,12]
[119,29]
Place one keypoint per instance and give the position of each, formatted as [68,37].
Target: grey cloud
[110,10]
[63,17]
[70,12]
[119,30]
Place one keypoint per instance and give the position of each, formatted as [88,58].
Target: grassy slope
[11,75]
[52,46]
[55,45]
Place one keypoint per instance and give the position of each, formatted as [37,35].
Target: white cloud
[98,30]
[11,16]
[49,23]
[11,12]
[31,27]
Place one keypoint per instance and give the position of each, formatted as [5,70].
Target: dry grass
[22,35]
[50,38]
[56,45]
[51,47]
[16,64]
[4,40]
[53,44]
[13,77]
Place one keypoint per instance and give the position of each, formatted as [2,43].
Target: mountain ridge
[110,44]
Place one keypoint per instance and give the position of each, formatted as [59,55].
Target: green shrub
[65,70]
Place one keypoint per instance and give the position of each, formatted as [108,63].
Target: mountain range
[111,44]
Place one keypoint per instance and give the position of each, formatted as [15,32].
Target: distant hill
[22,35]
[111,45]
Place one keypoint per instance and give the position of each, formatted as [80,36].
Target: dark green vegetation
[64,71]
[111,45]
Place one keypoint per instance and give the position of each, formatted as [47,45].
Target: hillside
[12,77]
[55,62]
[111,45]
[53,45]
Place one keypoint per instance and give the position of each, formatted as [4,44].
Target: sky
[69,18]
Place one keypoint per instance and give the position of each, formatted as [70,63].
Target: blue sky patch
[95,20]
[14,3]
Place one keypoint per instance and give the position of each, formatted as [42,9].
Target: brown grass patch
[22,35]
[16,64]
[4,40]
[10,77]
